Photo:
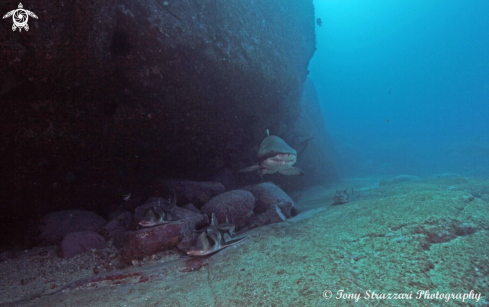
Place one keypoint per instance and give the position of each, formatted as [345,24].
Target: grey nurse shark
[274,155]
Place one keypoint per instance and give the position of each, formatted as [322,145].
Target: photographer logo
[20,18]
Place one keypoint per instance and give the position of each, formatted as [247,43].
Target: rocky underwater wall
[100,98]
[320,158]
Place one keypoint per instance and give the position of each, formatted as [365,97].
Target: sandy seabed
[427,235]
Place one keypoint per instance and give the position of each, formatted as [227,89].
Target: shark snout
[274,155]
[195,252]
[147,223]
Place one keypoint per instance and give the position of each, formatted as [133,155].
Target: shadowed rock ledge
[101,97]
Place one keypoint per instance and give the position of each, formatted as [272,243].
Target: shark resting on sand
[274,155]
[160,214]
[213,238]
[226,229]
[342,197]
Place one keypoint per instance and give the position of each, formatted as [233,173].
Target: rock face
[318,160]
[105,96]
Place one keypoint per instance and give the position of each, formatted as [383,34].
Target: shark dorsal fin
[213,219]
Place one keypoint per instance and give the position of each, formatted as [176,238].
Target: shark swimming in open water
[274,155]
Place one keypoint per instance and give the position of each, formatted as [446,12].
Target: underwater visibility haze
[244,153]
[404,85]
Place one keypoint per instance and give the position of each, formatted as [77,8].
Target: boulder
[54,226]
[267,194]
[272,204]
[191,207]
[76,243]
[148,241]
[236,205]
[117,228]
[273,214]
[194,192]
[178,213]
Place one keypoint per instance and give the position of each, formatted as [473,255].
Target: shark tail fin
[302,146]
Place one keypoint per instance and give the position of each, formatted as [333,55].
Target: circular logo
[327,294]
[20,18]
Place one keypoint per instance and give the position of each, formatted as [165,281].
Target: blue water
[404,84]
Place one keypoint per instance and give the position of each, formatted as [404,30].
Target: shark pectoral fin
[279,212]
[292,171]
[255,167]
[226,237]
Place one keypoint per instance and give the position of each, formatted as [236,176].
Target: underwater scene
[244,153]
